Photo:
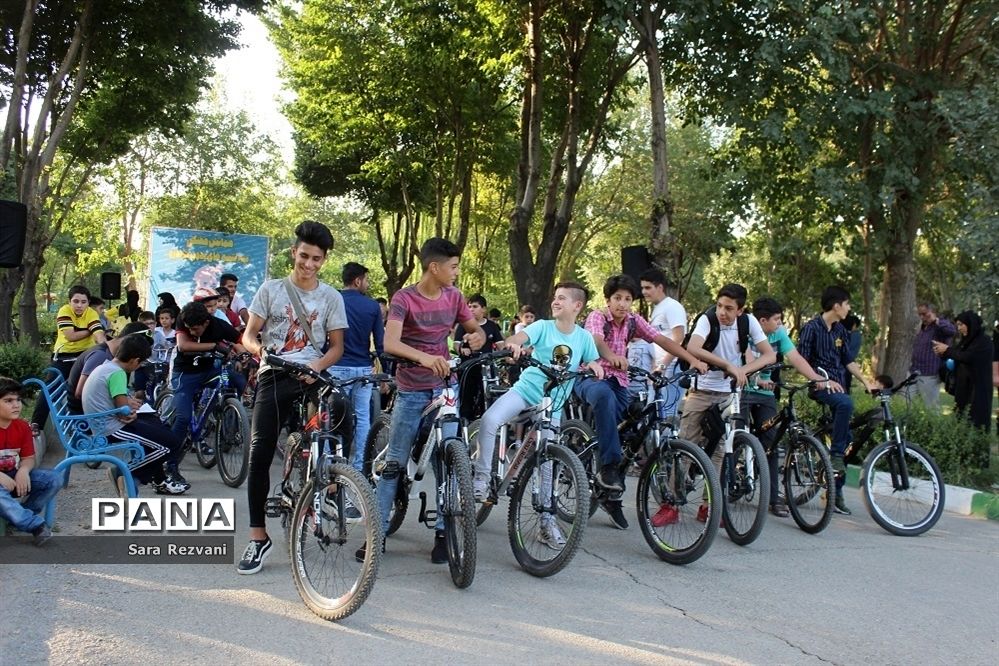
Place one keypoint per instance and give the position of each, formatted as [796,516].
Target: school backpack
[711,341]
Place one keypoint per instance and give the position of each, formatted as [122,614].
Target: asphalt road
[851,595]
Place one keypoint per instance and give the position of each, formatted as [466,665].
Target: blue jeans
[185,386]
[608,399]
[360,394]
[409,405]
[45,483]
[672,394]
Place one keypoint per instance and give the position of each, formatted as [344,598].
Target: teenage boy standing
[825,343]
[274,315]
[420,318]
[669,318]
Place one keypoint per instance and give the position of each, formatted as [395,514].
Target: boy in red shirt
[18,476]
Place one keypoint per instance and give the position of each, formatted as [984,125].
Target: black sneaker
[173,473]
[609,477]
[613,510]
[361,552]
[439,554]
[840,506]
[170,486]
[42,534]
[350,512]
[254,555]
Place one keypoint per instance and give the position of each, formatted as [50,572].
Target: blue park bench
[82,436]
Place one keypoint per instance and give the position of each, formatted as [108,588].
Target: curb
[962,501]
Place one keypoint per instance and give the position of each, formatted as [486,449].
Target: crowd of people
[346,332]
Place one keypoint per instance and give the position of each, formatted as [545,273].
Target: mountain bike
[545,481]
[220,427]
[454,494]
[317,488]
[807,472]
[676,477]
[745,475]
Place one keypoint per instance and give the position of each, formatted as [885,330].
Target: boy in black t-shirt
[471,400]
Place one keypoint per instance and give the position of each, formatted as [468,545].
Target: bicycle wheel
[580,438]
[542,539]
[459,512]
[232,443]
[296,461]
[675,482]
[164,406]
[902,509]
[746,491]
[374,462]
[322,543]
[808,483]
[205,452]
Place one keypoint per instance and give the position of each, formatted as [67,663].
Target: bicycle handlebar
[659,380]
[275,361]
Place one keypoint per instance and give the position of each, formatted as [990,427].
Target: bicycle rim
[459,512]
[808,484]
[232,443]
[746,490]
[902,511]
[548,511]
[327,576]
[675,482]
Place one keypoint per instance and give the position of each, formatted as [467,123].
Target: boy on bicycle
[721,337]
[612,329]
[825,343]
[758,397]
[421,316]
[543,336]
[274,315]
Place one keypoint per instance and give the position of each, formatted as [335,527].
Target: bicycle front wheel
[323,542]
[903,493]
[675,482]
[232,443]
[374,462]
[578,437]
[746,489]
[808,484]
[459,512]
[548,511]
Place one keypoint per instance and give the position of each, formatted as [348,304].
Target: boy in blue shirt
[543,335]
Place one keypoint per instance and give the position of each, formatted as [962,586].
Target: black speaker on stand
[111,286]
[635,260]
[13,229]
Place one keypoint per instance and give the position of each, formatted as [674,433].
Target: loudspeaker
[111,286]
[13,228]
[634,260]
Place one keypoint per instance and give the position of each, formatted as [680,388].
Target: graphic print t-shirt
[425,326]
[322,307]
[15,443]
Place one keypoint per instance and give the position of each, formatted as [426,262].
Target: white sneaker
[551,536]
[480,488]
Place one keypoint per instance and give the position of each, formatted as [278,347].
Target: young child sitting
[19,478]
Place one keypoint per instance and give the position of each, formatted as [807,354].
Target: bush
[961,450]
[20,361]
[46,328]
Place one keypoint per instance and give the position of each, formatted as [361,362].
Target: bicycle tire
[684,539]
[747,496]
[924,499]
[525,527]
[164,406]
[376,446]
[809,487]
[580,438]
[232,442]
[295,463]
[459,512]
[321,595]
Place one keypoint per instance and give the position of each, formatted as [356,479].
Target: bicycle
[807,473]
[548,475]
[676,477]
[317,488]
[219,413]
[455,499]
[745,482]
[900,482]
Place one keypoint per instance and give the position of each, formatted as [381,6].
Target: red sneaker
[702,514]
[666,515]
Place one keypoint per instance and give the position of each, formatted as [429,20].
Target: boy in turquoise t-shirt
[543,336]
[758,396]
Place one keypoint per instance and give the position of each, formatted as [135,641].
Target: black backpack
[712,340]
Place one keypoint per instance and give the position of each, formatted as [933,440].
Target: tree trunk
[900,276]
[878,356]
[10,282]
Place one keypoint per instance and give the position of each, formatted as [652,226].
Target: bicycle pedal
[273,507]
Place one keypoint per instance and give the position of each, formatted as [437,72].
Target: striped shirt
[924,360]
[600,321]
[827,348]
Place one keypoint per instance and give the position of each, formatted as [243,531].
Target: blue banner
[182,260]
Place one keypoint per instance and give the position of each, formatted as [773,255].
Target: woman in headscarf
[972,355]
[167,300]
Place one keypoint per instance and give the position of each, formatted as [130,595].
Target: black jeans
[761,408]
